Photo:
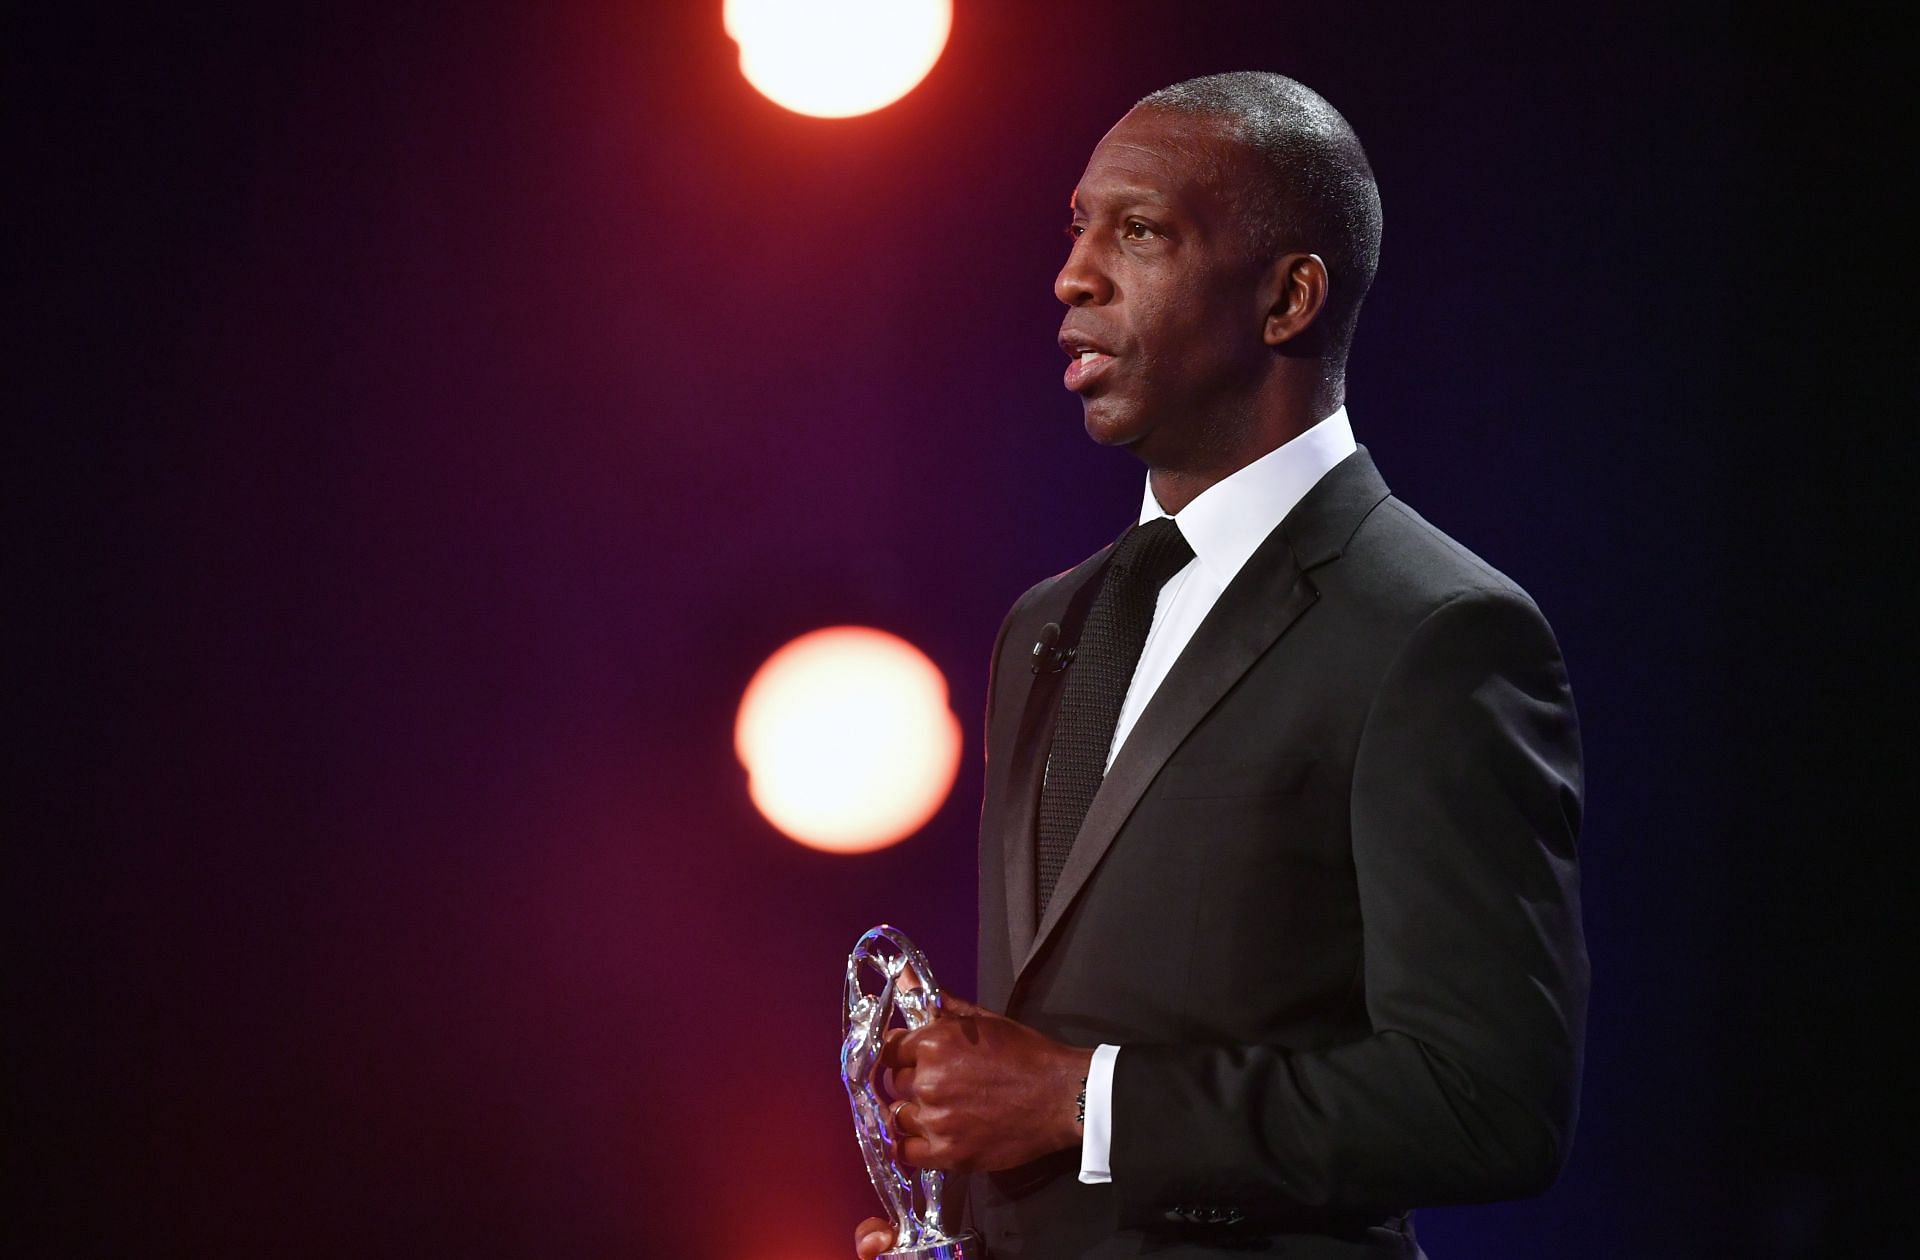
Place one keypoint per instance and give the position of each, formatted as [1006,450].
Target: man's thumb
[953,1005]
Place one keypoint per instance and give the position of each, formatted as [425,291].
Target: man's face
[1164,288]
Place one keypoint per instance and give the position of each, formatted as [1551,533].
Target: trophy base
[966,1247]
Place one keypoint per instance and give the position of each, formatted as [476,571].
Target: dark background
[427,417]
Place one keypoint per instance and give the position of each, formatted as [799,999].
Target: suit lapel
[1025,765]
[1267,596]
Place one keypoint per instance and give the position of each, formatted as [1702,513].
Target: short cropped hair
[1319,193]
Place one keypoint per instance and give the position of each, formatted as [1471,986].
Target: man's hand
[977,1092]
[871,1237]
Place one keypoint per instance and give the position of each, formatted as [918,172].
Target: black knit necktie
[1103,666]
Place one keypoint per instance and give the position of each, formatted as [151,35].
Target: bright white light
[847,739]
[837,58]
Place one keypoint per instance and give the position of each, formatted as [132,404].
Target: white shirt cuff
[1096,1138]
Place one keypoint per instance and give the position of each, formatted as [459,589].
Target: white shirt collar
[1229,520]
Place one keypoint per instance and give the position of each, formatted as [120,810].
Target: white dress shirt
[1224,525]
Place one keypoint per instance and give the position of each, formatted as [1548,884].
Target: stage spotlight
[847,739]
[837,58]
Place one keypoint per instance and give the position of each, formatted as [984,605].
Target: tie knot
[1153,552]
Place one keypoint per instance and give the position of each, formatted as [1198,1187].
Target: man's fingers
[898,1084]
[952,1005]
[871,1237]
[917,1152]
[900,1120]
[897,1049]
[900,1047]
[909,1139]
[912,1149]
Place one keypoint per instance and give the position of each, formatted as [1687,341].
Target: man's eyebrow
[1126,196]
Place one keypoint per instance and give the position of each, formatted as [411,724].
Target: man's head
[1225,232]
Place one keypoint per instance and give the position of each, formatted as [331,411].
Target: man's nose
[1081,282]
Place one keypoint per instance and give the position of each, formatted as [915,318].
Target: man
[1278,884]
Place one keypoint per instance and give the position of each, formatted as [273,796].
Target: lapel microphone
[1047,657]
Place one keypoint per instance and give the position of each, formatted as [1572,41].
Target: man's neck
[1300,407]
[1175,489]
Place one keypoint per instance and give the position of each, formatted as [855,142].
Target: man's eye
[1075,229]
[1135,230]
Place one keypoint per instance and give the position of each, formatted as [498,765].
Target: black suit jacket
[1325,900]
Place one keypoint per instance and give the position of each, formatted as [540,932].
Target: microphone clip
[1048,657]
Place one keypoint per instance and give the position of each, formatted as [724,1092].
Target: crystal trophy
[906,986]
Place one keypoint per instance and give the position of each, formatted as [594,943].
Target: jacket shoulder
[1401,566]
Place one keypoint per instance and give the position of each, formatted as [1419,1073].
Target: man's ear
[1300,294]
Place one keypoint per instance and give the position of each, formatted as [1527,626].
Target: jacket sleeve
[1465,810]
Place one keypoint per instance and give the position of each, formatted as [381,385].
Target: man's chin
[1110,425]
